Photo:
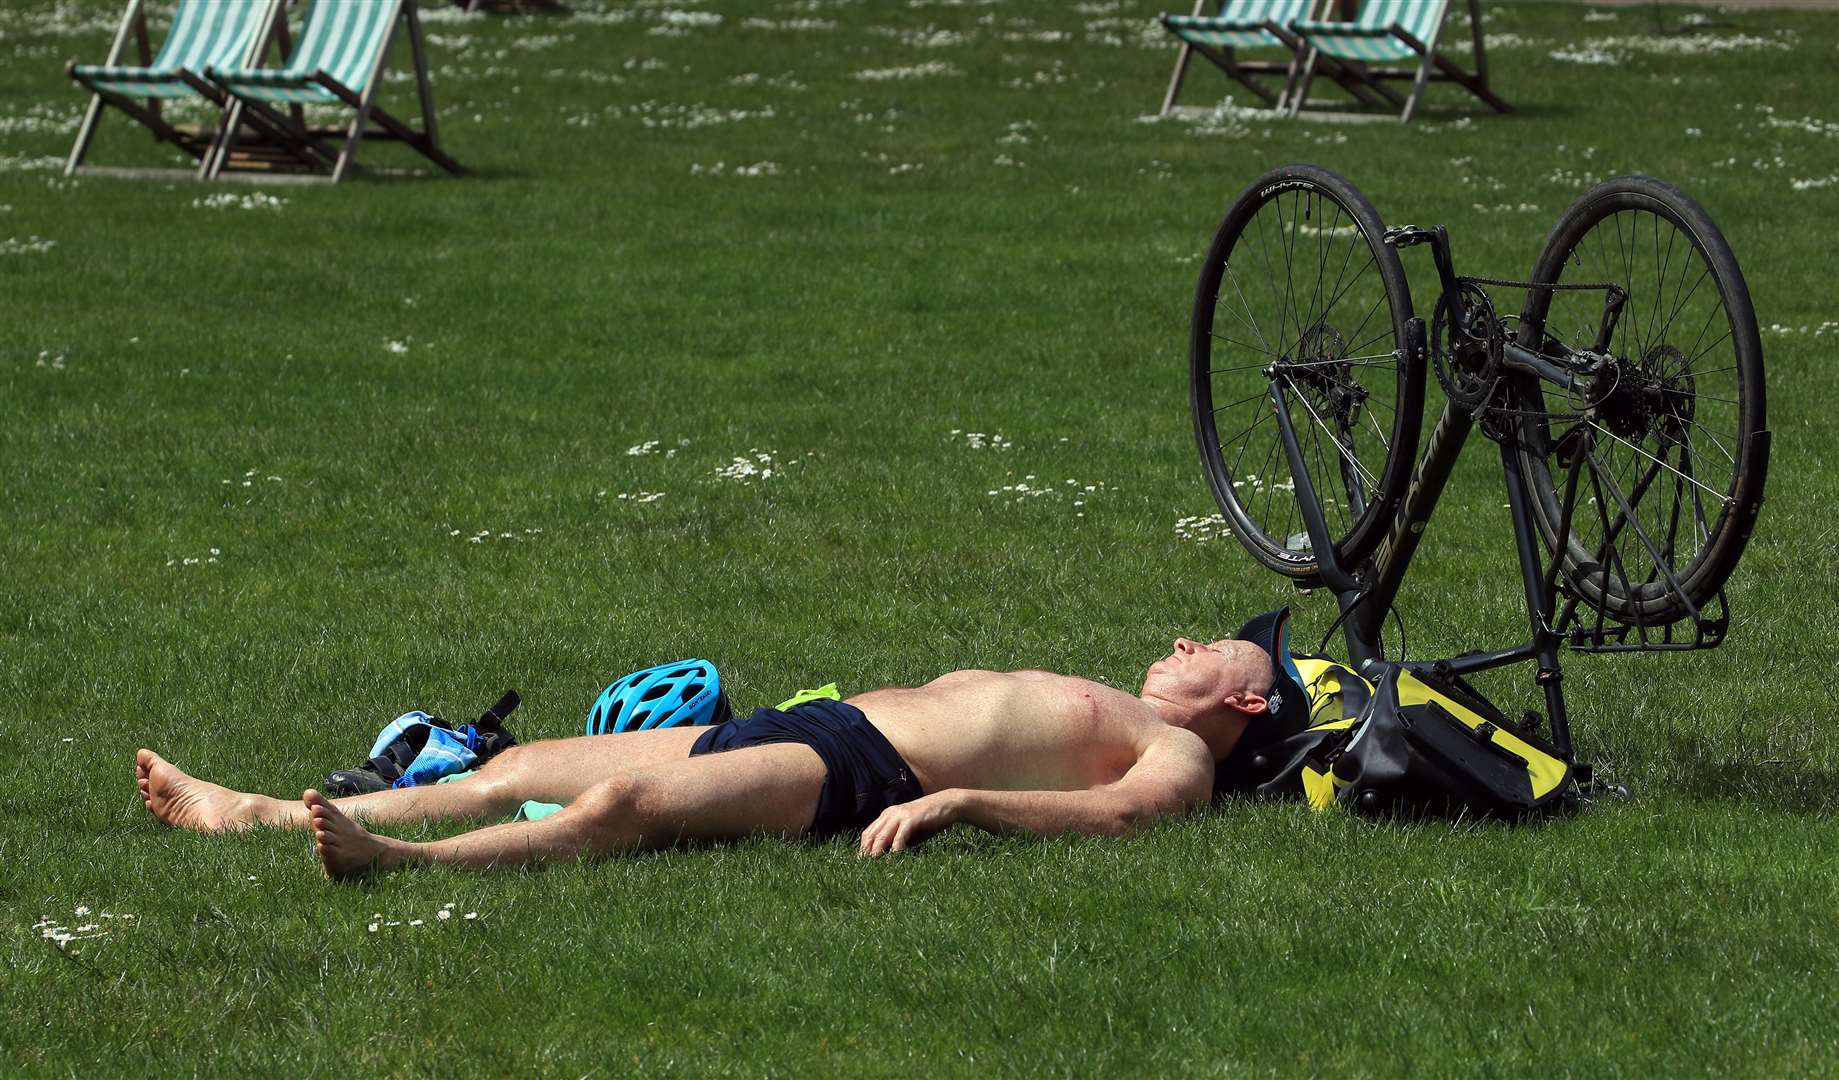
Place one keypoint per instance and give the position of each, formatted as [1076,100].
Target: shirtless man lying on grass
[1023,751]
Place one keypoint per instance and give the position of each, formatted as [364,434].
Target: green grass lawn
[277,469]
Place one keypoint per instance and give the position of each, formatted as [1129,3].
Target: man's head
[1217,689]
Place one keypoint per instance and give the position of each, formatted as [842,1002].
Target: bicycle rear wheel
[1672,451]
[1299,286]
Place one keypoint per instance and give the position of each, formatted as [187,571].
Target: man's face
[1203,677]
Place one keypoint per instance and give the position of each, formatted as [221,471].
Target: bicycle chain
[1556,286]
[1553,285]
[1442,358]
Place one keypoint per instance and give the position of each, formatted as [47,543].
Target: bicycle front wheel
[1300,287]
[1670,450]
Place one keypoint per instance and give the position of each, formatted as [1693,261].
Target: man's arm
[1173,773]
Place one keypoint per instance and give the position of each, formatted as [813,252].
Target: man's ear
[1248,703]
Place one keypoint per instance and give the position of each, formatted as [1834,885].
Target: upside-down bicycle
[1626,398]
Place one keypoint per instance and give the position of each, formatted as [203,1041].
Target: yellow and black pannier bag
[1413,745]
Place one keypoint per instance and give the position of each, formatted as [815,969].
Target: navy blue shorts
[864,774]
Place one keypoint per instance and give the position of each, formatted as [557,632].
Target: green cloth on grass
[536,811]
[529,811]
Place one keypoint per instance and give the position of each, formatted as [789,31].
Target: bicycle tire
[1651,239]
[1336,367]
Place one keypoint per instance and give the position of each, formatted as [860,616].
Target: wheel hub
[1320,368]
[1627,409]
[1656,392]
[1672,394]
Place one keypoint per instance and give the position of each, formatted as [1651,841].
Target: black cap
[1288,701]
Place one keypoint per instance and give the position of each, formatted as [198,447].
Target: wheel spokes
[1661,433]
[1301,295]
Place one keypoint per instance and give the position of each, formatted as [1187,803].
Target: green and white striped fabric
[342,39]
[1367,37]
[1238,25]
[204,34]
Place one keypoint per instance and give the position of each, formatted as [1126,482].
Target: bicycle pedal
[1404,236]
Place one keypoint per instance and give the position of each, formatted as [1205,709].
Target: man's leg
[554,770]
[769,790]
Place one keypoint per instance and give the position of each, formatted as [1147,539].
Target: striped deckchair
[1238,24]
[203,33]
[1245,24]
[339,61]
[1387,31]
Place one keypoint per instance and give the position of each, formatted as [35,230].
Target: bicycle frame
[1364,604]
[1366,593]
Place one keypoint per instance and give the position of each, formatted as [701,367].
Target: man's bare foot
[187,802]
[347,849]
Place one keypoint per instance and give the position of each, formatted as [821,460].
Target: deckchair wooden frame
[1432,65]
[1242,71]
[197,143]
[308,145]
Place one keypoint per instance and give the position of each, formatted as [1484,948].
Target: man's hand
[1173,773]
[899,827]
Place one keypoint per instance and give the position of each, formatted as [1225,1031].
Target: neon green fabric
[828,691]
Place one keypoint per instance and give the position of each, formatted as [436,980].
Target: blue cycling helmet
[685,693]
